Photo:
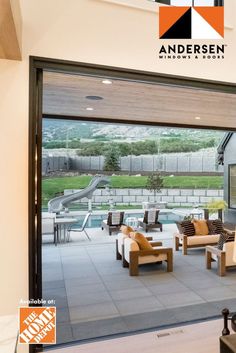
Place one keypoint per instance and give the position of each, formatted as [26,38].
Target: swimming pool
[95,220]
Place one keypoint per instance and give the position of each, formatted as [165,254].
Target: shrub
[155,183]
[112,159]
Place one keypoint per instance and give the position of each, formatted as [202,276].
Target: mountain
[67,130]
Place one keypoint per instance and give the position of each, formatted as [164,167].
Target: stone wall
[173,197]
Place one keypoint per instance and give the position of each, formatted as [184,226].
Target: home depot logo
[37,325]
[199,22]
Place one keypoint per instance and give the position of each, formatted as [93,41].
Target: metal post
[225,313]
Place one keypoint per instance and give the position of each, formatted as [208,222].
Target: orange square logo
[37,325]
[197,22]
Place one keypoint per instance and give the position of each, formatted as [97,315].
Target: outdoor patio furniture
[195,241]
[125,230]
[62,225]
[132,222]
[224,257]
[113,222]
[195,213]
[49,228]
[79,230]
[150,220]
[187,239]
[133,256]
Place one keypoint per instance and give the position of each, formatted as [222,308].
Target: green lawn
[53,186]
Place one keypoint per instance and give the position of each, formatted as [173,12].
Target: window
[232,186]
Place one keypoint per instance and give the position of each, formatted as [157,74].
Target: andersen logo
[200,22]
[192,23]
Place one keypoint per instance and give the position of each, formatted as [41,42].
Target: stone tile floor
[96,297]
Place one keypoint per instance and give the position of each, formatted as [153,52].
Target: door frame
[36,68]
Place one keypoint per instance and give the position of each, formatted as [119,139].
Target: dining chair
[80,230]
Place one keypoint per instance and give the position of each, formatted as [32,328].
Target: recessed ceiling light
[198,118]
[107,82]
[94,98]
[89,108]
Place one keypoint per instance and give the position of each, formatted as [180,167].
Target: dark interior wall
[229,158]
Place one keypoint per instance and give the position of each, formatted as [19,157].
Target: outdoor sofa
[197,233]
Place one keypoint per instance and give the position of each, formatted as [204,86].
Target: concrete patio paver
[91,312]
[173,300]
[138,305]
[130,293]
[216,293]
[88,298]
[95,296]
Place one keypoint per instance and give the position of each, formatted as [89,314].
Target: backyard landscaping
[56,185]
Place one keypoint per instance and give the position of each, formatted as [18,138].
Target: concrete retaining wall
[173,197]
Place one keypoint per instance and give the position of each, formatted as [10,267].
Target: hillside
[61,130]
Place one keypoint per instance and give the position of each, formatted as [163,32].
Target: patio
[95,296]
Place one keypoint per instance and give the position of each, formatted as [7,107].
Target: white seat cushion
[129,245]
[203,239]
[229,250]
[151,217]
[48,225]
[120,238]
[152,258]
[115,218]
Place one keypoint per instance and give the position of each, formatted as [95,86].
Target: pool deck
[183,212]
[95,296]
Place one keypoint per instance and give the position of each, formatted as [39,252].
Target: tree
[112,159]
[155,183]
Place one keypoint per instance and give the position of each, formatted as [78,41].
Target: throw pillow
[200,226]
[126,230]
[218,226]
[186,227]
[141,240]
[211,227]
[225,238]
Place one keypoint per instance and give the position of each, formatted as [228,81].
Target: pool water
[95,220]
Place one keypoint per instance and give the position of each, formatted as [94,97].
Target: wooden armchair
[120,243]
[224,258]
[114,221]
[150,220]
[133,256]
